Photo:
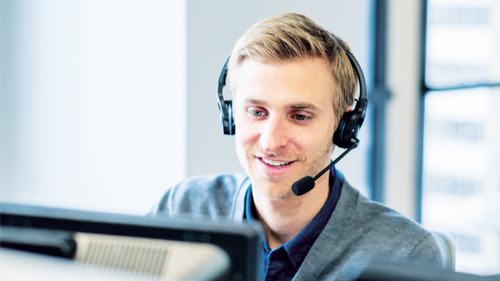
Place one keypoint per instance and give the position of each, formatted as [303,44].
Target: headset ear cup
[346,134]
[225,107]
[223,118]
[228,122]
[339,133]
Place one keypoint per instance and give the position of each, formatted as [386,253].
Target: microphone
[307,183]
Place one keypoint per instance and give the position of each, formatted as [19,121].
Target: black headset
[346,134]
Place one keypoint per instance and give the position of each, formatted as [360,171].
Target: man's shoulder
[213,196]
[378,215]
[374,214]
[388,231]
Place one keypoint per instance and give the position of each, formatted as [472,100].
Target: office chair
[447,249]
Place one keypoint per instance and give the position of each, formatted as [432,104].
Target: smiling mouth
[275,163]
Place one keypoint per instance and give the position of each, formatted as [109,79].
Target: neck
[283,218]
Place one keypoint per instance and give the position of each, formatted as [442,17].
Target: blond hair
[292,36]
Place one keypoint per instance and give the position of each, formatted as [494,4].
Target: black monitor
[212,250]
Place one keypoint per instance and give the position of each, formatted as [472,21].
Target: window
[461,129]
[453,185]
[466,242]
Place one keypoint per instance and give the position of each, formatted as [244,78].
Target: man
[291,82]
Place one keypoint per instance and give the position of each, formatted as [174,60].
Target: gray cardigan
[357,231]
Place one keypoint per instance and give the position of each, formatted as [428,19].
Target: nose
[274,135]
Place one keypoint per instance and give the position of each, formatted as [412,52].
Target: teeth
[275,163]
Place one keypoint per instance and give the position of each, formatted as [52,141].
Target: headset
[345,135]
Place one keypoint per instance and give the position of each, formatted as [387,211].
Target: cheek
[246,130]
[246,140]
[245,146]
[312,145]
[246,135]
[321,143]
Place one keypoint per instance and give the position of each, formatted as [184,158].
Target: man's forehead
[297,84]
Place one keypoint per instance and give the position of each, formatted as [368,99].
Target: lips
[275,163]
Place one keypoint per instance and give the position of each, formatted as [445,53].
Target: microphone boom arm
[355,144]
[307,183]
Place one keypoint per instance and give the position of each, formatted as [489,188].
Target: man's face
[284,120]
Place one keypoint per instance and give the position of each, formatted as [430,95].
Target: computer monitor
[391,270]
[171,248]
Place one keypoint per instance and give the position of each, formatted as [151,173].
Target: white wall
[92,101]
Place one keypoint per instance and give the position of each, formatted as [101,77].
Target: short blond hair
[292,36]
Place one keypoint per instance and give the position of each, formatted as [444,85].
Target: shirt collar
[299,246]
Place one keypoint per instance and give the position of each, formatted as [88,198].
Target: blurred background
[105,104]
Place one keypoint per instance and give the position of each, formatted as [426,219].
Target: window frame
[424,90]
[379,96]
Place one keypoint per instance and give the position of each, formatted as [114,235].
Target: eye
[256,112]
[300,116]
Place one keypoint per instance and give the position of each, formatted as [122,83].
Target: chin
[273,189]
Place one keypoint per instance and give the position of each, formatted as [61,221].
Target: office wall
[92,102]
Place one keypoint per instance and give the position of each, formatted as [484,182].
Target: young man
[291,82]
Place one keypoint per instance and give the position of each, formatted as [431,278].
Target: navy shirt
[283,262]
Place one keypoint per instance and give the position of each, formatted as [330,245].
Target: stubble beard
[280,187]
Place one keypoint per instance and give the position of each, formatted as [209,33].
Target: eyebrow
[255,101]
[301,106]
[295,106]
